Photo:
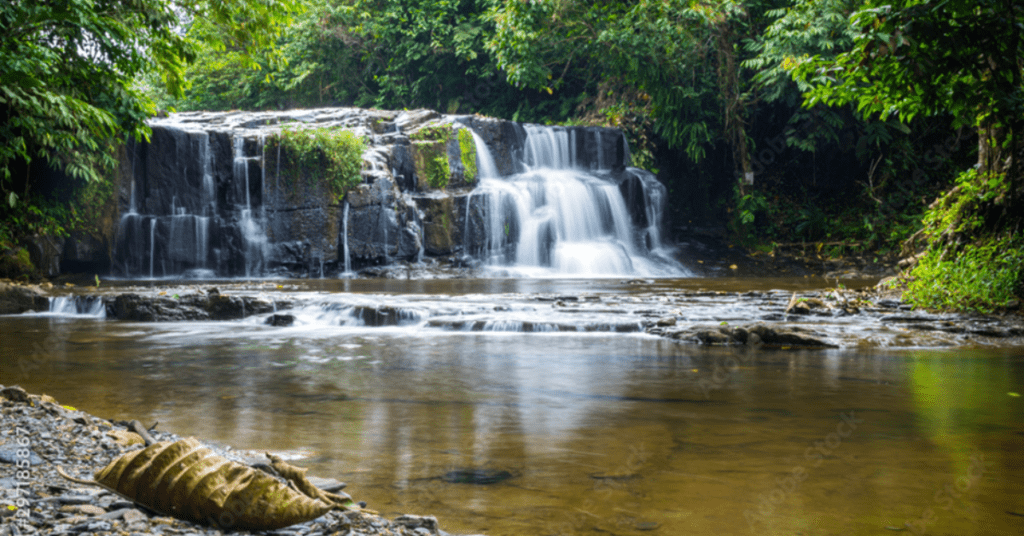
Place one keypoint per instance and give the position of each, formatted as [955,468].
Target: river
[478,406]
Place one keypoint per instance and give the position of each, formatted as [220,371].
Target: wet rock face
[210,196]
[45,252]
[211,306]
[215,195]
[440,229]
[504,138]
[84,253]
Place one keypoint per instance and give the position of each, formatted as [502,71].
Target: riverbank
[43,435]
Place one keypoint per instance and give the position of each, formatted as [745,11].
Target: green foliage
[915,58]
[748,207]
[985,275]
[646,66]
[417,46]
[338,152]
[70,93]
[968,264]
[821,28]
[442,133]
[438,172]
[16,264]
[467,148]
[64,93]
[315,63]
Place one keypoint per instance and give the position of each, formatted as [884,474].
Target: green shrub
[438,172]
[468,148]
[337,151]
[967,266]
[983,276]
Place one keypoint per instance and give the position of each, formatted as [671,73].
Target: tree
[915,57]
[926,58]
[316,62]
[67,91]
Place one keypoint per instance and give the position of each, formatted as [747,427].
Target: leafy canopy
[68,71]
[914,57]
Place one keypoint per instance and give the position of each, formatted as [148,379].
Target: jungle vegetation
[888,127]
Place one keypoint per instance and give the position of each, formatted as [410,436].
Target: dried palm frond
[183,479]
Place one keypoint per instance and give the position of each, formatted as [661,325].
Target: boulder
[756,335]
[45,253]
[17,299]
[788,336]
[440,220]
[84,253]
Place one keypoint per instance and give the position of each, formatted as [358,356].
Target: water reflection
[601,433]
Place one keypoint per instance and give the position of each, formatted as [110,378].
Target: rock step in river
[775,318]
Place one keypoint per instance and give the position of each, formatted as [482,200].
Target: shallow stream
[512,431]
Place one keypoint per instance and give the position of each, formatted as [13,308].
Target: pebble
[9,454]
[84,509]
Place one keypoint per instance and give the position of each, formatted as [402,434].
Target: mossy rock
[439,220]
[16,264]
[467,155]
[444,157]
[430,160]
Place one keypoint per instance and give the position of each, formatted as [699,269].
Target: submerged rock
[480,477]
[280,320]
[754,335]
[212,306]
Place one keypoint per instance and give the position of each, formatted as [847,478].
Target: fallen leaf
[188,481]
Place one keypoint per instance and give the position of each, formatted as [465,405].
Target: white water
[344,239]
[152,245]
[558,219]
[90,306]
[252,227]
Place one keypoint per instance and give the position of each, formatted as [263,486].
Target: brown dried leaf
[188,481]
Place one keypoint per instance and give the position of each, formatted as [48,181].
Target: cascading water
[201,203]
[565,214]
[182,220]
[344,238]
[251,224]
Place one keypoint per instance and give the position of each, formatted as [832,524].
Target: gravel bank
[38,435]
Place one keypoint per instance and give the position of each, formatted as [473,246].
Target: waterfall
[78,306]
[152,245]
[485,166]
[566,214]
[344,237]
[253,236]
[196,207]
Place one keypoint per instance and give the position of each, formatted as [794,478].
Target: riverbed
[509,407]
